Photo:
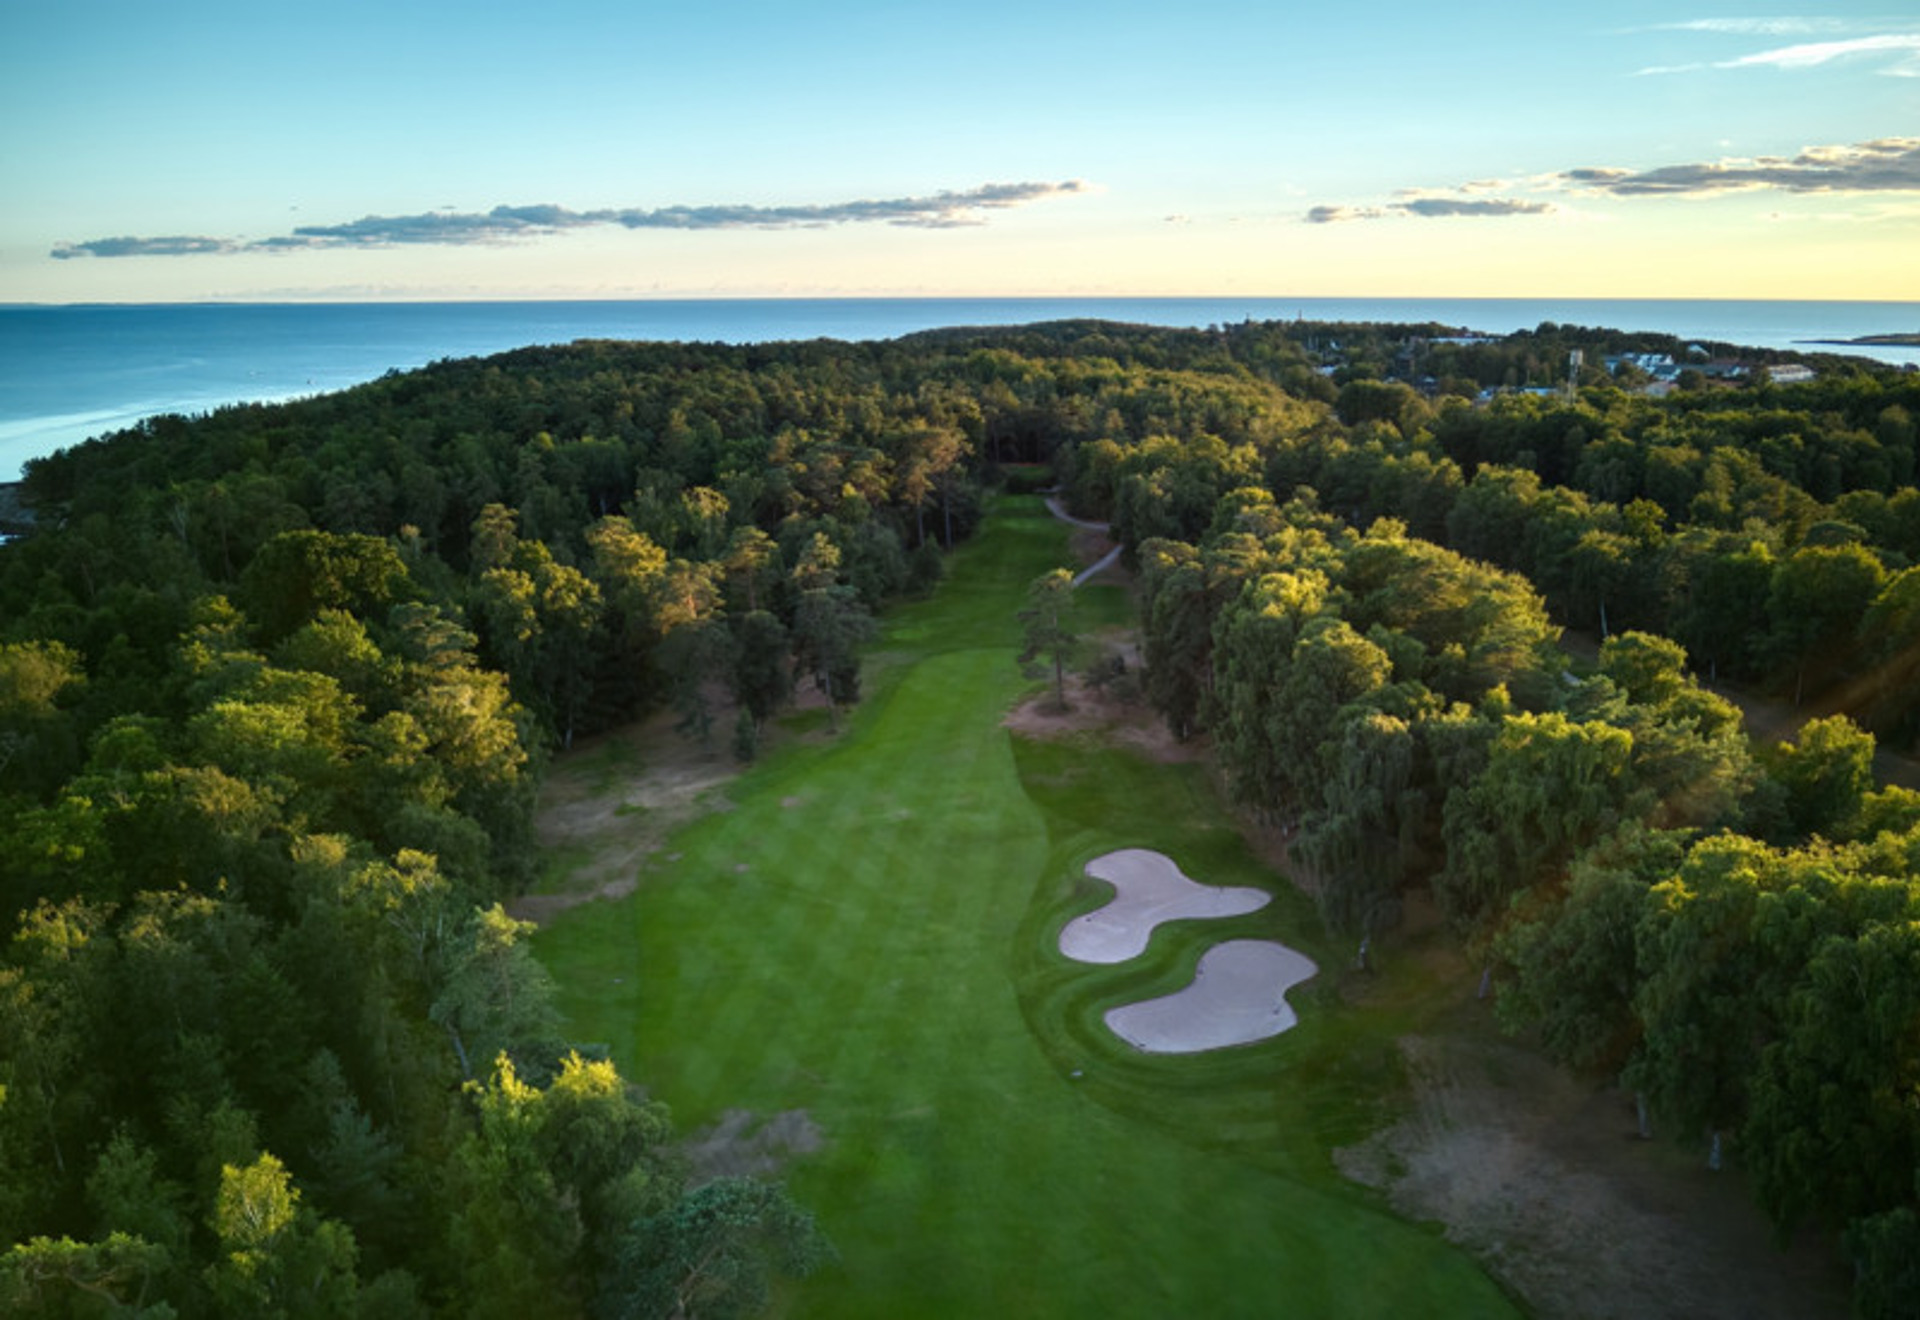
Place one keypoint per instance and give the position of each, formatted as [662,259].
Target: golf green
[870,932]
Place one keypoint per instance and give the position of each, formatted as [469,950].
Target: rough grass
[868,935]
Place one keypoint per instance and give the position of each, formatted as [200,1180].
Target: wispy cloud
[170,245]
[1779,26]
[1882,165]
[507,224]
[1430,208]
[1334,215]
[1904,47]
[1810,54]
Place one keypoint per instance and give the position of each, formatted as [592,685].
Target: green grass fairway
[869,935]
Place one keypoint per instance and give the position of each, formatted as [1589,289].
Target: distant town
[1557,360]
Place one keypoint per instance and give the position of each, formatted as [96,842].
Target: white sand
[1238,995]
[1148,889]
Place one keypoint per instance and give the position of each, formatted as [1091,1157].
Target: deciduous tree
[1046,625]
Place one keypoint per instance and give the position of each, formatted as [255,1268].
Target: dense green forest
[277,685]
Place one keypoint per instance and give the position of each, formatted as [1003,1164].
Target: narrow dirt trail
[1100,565]
[1059,510]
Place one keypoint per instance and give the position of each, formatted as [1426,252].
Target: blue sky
[429,150]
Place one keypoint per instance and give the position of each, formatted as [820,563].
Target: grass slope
[868,935]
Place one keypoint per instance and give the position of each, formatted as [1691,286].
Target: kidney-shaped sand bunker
[1148,889]
[1238,995]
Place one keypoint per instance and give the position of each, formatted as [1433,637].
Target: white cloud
[1762,27]
[1903,47]
[1812,54]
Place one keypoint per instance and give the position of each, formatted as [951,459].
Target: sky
[572,149]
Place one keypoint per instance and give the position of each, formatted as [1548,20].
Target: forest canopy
[278,684]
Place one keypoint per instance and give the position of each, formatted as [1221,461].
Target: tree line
[1730,931]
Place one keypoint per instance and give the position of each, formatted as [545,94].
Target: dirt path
[1059,510]
[1099,566]
[1105,551]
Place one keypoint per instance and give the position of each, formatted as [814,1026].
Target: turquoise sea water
[67,373]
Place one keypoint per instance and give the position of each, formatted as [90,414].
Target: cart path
[1106,561]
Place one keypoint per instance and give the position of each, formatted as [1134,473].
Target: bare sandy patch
[1541,1176]
[614,800]
[742,1144]
[1110,712]
[1238,996]
[1149,888]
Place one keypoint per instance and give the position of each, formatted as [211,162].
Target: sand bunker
[1148,889]
[1239,991]
[1238,996]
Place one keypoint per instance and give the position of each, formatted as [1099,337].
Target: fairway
[870,934]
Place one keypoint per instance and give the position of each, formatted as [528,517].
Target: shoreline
[1901,340]
[71,373]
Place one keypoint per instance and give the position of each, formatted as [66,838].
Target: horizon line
[507,298]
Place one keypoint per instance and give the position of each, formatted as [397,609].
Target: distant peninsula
[1906,340]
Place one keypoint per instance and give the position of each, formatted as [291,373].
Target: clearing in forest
[869,935]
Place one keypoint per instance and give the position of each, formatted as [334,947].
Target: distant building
[1492,392]
[1659,368]
[1790,373]
[1657,365]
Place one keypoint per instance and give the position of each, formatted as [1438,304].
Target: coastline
[1873,341]
[70,372]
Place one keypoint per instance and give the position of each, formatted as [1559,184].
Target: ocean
[69,373]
